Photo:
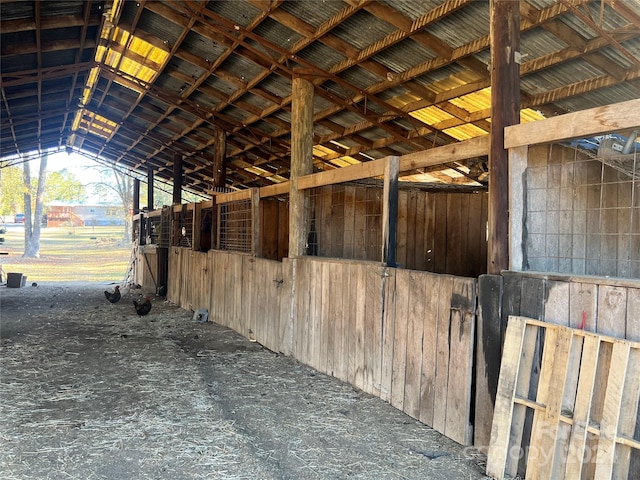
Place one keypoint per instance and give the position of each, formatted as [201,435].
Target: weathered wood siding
[240,291]
[595,304]
[405,336]
[274,228]
[150,267]
[437,231]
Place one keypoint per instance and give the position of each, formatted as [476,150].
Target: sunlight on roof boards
[125,53]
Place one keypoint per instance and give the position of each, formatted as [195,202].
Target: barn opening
[389,192]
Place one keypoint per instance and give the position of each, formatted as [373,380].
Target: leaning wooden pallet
[584,403]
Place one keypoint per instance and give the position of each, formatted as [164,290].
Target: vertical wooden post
[256,242]
[136,196]
[505,110]
[219,154]
[177,178]
[390,211]
[517,167]
[197,221]
[149,188]
[135,208]
[301,162]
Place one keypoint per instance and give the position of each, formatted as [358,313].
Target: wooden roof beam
[48,23]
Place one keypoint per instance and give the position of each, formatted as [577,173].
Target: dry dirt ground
[89,390]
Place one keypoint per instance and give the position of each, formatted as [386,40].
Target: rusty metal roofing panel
[237,12]
[537,42]
[438,79]
[314,13]
[219,84]
[276,85]
[242,68]
[17,11]
[204,101]
[185,68]
[374,75]
[152,23]
[360,77]
[57,8]
[17,63]
[413,10]
[550,79]
[202,47]
[600,97]
[321,55]
[277,33]
[362,29]
[463,26]
[404,55]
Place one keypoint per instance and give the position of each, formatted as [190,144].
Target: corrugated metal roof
[314,13]
[402,56]
[368,27]
[463,26]
[390,77]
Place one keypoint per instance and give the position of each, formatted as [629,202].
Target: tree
[11,190]
[63,186]
[32,222]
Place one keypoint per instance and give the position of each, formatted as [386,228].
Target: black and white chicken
[113,297]
[143,306]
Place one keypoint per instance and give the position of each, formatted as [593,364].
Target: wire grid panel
[158,233]
[582,215]
[345,221]
[182,229]
[236,226]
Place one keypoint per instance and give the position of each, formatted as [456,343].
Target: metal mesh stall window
[345,221]
[182,229]
[158,228]
[235,226]
[583,209]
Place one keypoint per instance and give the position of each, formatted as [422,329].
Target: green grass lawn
[92,254]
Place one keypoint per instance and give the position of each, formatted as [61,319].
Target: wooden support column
[149,188]
[219,154]
[505,110]
[177,178]
[136,196]
[390,211]
[197,222]
[301,162]
[135,208]
[517,166]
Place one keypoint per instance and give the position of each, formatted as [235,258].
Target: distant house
[62,215]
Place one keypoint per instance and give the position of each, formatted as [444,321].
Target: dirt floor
[89,390]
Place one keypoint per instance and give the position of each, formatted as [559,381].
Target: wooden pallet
[576,392]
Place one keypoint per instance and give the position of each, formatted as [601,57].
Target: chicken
[113,297]
[143,306]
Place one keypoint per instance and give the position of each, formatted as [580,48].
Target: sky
[86,171]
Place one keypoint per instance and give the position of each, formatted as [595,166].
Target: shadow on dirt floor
[90,390]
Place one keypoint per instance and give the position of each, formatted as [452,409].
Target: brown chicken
[143,306]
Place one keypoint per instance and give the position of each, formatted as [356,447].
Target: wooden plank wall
[274,228]
[403,335]
[437,232]
[442,232]
[595,304]
[240,291]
